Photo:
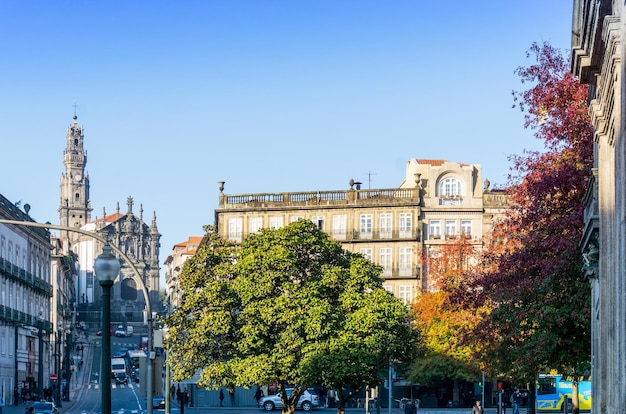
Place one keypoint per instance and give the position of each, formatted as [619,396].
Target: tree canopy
[533,277]
[288,306]
[443,318]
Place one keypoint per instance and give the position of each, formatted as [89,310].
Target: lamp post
[106,267]
[57,365]
[138,279]
[40,370]
[167,377]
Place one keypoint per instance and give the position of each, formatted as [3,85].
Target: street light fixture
[106,267]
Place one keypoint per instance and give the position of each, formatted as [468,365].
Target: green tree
[277,307]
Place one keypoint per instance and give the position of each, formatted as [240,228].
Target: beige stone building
[181,252]
[437,201]
[598,35]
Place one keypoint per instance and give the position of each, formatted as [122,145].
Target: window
[365,226]
[450,228]
[385,260]
[276,222]
[435,229]
[466,228]
[385,223]
[405,293]
[405,261]
[255,224]
[450,187]
[318,221]
[339,227]
[366,252]
[235,228]
[388,288]
[406,224]
[293,219]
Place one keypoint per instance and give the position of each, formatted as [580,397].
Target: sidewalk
[78,384]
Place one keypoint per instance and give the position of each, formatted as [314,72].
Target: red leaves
[534,277]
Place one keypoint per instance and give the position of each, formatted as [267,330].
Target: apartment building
[181,252]
[438,201]
[25,293]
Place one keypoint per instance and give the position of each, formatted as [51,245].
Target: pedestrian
[331,398]
[221,397]
[409,408]
[516,400]
[477,409]
[231,392]
[257,395]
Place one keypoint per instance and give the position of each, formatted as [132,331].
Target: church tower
[74,207]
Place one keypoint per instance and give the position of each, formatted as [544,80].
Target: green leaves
[288,306]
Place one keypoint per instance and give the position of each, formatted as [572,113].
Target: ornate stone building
[598,59]
[438,201]
[138,240]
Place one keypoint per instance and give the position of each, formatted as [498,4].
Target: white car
[307,402]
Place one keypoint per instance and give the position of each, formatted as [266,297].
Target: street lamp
[40,371]
[138,279]
[57,364]
[106,267]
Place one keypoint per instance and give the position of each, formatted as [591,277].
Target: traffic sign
[53,377]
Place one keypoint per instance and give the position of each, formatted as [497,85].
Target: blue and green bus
[553,389]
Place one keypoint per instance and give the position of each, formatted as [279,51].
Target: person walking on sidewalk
[409,408]
[477,409]
[517,401]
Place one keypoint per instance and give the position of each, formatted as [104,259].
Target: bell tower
[75,207]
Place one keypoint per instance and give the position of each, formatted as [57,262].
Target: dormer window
[450,187]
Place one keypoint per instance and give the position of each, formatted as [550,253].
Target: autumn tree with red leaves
[442,321]
[540,319]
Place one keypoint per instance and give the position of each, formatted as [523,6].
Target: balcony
[393,234]
[382,197]
[450,200]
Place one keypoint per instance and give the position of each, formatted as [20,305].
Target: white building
[25,292]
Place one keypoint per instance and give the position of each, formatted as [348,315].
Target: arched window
[450,187]
[129,289]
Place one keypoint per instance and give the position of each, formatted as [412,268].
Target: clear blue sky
[266,95]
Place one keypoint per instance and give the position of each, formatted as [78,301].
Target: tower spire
[74,204]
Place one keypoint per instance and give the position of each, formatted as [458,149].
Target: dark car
[158,403]
[121,353]
[121,378]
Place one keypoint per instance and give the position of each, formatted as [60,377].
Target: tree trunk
[288,410]
[575,402]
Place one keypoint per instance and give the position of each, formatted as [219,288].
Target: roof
[436,163]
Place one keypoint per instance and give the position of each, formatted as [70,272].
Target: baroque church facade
[139,241]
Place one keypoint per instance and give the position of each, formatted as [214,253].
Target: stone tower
[74,206]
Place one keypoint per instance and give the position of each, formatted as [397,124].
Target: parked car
[44,407]
[307,402]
